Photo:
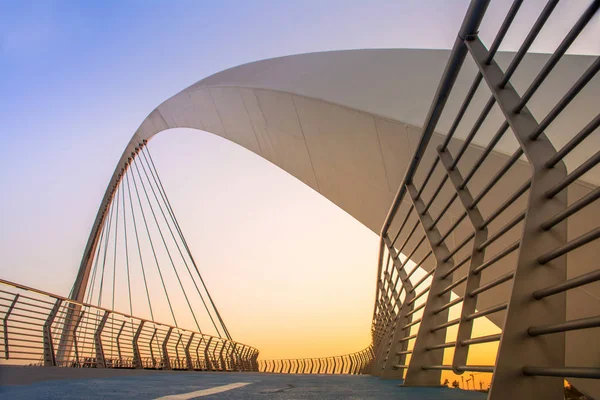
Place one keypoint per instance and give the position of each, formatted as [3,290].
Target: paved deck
[62,383]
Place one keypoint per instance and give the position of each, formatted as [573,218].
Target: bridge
[485,200]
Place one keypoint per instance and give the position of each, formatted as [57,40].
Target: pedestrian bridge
[478,169]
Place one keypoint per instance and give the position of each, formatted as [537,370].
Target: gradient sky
[291,273]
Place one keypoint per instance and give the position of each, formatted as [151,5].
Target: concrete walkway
[63,383]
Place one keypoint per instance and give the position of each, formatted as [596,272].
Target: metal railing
[350,364]
[33,322]
[484,227]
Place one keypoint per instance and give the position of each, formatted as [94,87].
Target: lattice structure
[488,228]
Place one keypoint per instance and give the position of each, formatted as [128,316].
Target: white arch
[346,123]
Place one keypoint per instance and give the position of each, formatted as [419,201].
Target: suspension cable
[168,203]
[175,239]
[127,253]
[114,280]
[152,246]
[165,243]
[137,240]
[104,257]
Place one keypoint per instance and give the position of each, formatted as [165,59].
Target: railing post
[517,349]
[207,359]
[177,358]
[165,350]
[152,346]
[401,320]
[200,365]
[465,326]
[248,359]
[75,344]
[362,363]
[119,344]
[241,357]
[100,360]
[221,359]
[5,324]
[234,357]
[434,312]
[137,357]
[49,354]
[188,356]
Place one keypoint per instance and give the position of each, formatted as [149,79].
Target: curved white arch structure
[346,123]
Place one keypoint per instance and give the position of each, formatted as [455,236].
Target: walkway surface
[62,383]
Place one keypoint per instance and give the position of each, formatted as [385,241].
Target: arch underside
[346,124]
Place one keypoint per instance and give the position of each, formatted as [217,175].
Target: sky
[292,274]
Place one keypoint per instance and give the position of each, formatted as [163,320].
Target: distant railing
[33,322]
[350,364]
[475,232]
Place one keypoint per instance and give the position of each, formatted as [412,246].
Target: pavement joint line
[204,392]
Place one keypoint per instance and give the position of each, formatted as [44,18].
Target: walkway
[60,383]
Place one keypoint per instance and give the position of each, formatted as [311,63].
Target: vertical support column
[207,359]
[221,359]
[241,357]
[49,354]
[177,358]
[247,359]
[151,347]
[362,363]
[517,349]
[75,344]
[371,359]
[351,366]
[137,357]
[254,360]
[100,360]
[119,344]
[436,307]
[200,365]
[165,350]
[389,369]
[234,357]
[465,326]
[5,324]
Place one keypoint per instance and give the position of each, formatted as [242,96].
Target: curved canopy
[346,124]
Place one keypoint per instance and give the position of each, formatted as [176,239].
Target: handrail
[498,242]
[96,334]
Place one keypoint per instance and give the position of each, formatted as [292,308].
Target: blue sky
[77,78]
